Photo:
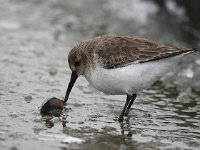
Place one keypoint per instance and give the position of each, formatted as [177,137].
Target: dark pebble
[53,106]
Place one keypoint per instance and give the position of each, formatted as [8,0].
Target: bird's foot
[121,119]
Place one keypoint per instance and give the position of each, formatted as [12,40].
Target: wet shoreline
[36,38]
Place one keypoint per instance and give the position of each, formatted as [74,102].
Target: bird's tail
[190,51]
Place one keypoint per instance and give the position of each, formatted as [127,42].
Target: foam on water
[59,137]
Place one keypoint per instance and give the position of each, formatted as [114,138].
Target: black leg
[128,98]
[133,97]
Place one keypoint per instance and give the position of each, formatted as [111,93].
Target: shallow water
[36,37]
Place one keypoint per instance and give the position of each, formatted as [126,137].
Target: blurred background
[36,37]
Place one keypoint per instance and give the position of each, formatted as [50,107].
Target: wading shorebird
[122,64]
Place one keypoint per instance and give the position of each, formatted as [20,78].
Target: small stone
[53,106]
[13,115]
[28,98]
[53,71]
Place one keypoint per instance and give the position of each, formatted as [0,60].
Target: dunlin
[122,64]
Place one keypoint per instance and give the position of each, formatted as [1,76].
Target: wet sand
[36,37]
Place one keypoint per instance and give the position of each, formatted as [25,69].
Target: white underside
[130,79]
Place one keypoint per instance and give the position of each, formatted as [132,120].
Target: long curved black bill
[70,85]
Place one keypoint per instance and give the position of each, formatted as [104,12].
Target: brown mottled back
[117,51]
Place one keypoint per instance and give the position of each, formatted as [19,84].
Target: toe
[120,119]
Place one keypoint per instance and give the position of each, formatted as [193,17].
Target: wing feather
[119,51]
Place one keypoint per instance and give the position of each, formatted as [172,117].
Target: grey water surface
[35,39]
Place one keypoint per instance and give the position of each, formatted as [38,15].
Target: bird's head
[78,63]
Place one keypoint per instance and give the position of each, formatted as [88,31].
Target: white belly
[130,79]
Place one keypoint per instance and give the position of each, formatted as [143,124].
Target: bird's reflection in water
[125,128]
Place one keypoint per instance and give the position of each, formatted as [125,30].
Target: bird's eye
[77,63]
